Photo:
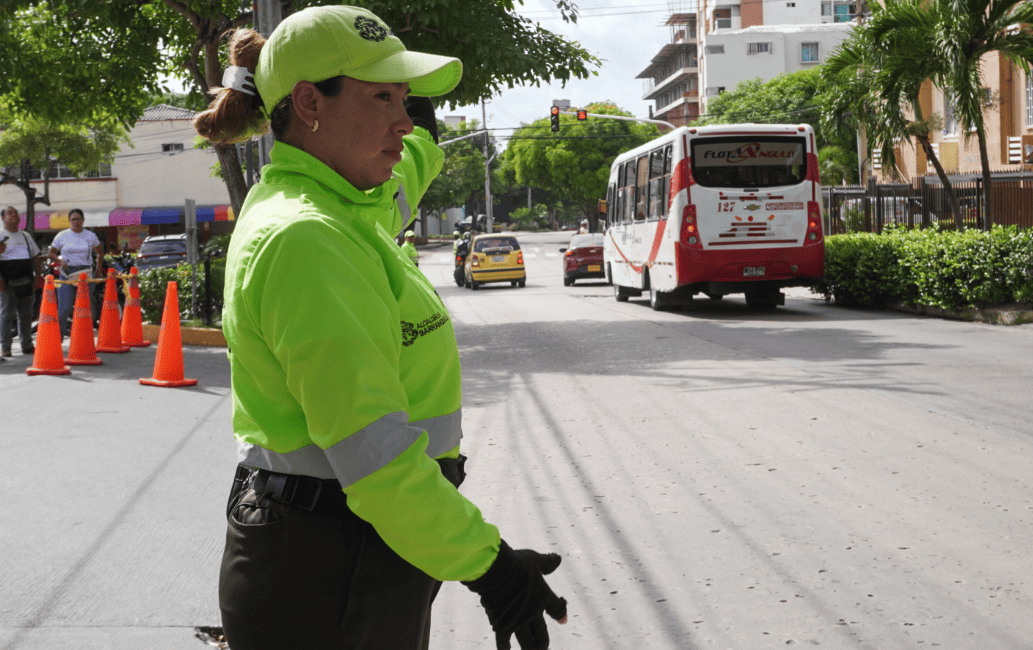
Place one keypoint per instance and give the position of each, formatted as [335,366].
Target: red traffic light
[582,114]
[555,110]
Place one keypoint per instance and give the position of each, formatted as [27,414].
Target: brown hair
[73,211]
[234,115]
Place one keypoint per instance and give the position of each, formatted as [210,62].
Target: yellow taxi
[495,258]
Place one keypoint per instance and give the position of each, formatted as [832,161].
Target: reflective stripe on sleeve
[361,453]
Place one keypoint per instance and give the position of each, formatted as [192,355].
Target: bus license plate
[750,271]
[498,259]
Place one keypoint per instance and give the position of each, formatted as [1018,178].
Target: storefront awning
[58,219]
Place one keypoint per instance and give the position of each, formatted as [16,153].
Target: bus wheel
[474,284]
[620,293]
[658,300]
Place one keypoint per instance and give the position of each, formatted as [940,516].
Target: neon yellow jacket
[344,361]
[411,252]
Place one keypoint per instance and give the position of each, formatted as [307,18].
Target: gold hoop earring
[315,125]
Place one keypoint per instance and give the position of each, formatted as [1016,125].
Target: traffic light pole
[622,118]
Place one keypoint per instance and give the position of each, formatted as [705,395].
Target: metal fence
[923,203]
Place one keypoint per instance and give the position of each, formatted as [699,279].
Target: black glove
[421,111]
[514,594]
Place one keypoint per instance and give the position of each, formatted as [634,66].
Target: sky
[624,34]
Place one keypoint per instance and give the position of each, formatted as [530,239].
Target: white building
[730,52]
[143,191]
[765,51]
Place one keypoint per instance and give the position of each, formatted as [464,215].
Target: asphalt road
[713,478]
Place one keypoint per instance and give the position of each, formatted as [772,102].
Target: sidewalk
[114,495]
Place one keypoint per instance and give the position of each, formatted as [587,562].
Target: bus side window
[629,191]
[611,206]
[668,157]
[642,188]
[657,203]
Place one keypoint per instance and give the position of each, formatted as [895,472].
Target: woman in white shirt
[72,249]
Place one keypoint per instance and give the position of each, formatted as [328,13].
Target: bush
[154,285]
[946,269]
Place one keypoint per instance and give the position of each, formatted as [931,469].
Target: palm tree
[958,34]
[874,79]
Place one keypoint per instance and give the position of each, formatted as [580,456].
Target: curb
[990,316]
[189,335]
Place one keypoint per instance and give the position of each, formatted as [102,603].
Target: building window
[1029,101]
[758,48]
[714,91]
[790,4]
[950,116]
[826,8]
[715,49]
[172,148]
[808,52]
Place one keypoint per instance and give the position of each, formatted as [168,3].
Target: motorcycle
[460,261]
[122,261]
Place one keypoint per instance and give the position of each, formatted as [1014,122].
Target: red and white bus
[715,210]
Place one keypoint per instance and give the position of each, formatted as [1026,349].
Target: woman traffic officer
[345,512]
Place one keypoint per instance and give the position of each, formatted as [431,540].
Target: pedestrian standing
[74,248]
[409,247]
[19,276]
[344,514]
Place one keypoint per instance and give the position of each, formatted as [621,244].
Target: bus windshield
[754,161]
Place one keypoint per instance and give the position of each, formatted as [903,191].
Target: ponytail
[235,115]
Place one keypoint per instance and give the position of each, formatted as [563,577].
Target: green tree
[184,38]
[462,176]
[789,98]
[955,36]
[575,163]
[28,144]
[873,84]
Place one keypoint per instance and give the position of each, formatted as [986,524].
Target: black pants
[321,579]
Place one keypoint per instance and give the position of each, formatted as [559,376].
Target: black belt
[325,495]
[304,492]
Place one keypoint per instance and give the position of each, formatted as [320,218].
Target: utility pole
[267,17]
[487,173]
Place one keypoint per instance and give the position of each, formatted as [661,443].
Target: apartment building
[1008,126]
[745,39]
[672,77]
[142,192]
[716,44]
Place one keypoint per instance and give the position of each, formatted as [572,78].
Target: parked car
[479,226]
[495,258]
[161,251]
[583,259]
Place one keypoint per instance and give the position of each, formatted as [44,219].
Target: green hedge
[154,285]
[949,270]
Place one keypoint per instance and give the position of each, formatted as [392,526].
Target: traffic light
[582,115]
[555,111]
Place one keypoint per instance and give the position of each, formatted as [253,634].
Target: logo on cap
[370,29]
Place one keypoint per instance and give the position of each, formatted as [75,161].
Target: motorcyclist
[462,249]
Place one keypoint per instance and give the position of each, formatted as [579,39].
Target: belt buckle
[311,505]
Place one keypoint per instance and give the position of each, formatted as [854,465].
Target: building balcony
[653,89]
[680,102]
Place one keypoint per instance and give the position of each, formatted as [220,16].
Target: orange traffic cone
[109,338]
[48,359]
[168,362]
[81,351]
[132,320]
